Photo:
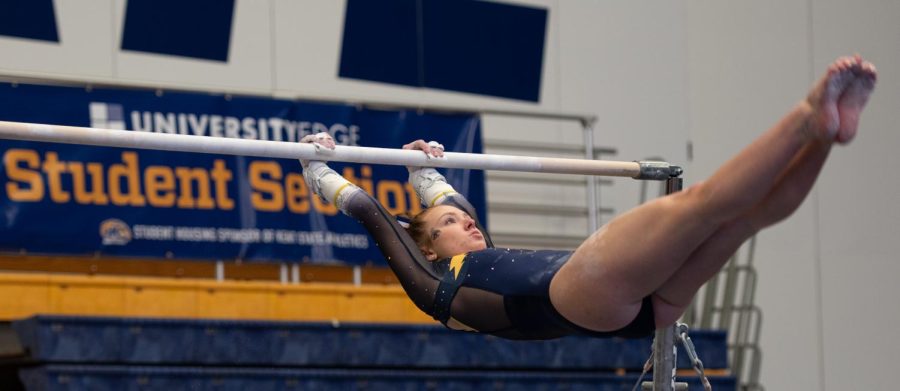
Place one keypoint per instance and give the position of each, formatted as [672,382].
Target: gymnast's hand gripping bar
[292,150]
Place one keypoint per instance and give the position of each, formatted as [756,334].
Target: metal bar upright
[664,357]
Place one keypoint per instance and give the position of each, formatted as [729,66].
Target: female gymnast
[626,279]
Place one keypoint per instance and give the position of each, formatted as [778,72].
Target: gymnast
[635,274]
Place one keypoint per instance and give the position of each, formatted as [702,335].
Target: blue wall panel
[197,28]
[32,19]
[469,46]
[484,48]
[380,42]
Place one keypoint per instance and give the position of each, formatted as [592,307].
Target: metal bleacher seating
[114,353]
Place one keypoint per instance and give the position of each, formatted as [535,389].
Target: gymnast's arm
[473,309]
[432,188]
[415,273]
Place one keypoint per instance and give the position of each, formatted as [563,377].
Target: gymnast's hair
[416,229]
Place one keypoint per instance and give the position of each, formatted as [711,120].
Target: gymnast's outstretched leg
[793,186]
[674,296]
[636,253]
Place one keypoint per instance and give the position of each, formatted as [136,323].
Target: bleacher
[121,332]
[117,353]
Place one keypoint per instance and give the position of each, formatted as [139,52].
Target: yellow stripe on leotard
[456,264]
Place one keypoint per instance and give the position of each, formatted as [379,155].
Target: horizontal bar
[289,150]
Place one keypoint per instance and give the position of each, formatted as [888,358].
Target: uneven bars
[292,150]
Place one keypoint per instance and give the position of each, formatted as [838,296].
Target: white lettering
[142,126]
[263,129]
[232,126]
[291,129]
[245,235]
[215,125]
[195,234]
[164,123]
[152,232]
[304,128]
[248,125]
[198,126]
[249,235]
[275,124]
[250,128]
[319,127]
[182,124]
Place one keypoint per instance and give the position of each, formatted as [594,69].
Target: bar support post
[664,353]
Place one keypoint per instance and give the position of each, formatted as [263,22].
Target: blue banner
[76,200]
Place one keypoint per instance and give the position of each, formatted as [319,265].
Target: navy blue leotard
[504,292]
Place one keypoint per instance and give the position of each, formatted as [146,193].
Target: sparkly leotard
[504,292]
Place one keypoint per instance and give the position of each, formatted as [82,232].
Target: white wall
[857,208]
[84,51]
[657,75]
[625,62]
[826,274]
[747,67]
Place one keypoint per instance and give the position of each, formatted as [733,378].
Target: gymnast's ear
[429,253]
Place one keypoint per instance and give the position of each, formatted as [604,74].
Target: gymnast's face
[451,232]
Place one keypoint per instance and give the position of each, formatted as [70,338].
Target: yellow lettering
[129,171]
[296,193]
[54,169]
[386,189]
[126,184]
[79,185]
[159,183]
[221,175]
[365,182]
[35,190]
[270,197]
[186,199]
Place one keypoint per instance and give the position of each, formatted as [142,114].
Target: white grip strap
[325,182]
[430,185]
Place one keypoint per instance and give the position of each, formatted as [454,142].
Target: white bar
[289,150]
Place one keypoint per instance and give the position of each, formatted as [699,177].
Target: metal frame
[665,354]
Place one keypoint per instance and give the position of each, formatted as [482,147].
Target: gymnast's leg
[673,297]
[636,253]
[793,186]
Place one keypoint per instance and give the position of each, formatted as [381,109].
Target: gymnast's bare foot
[839,97]
[854,99]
